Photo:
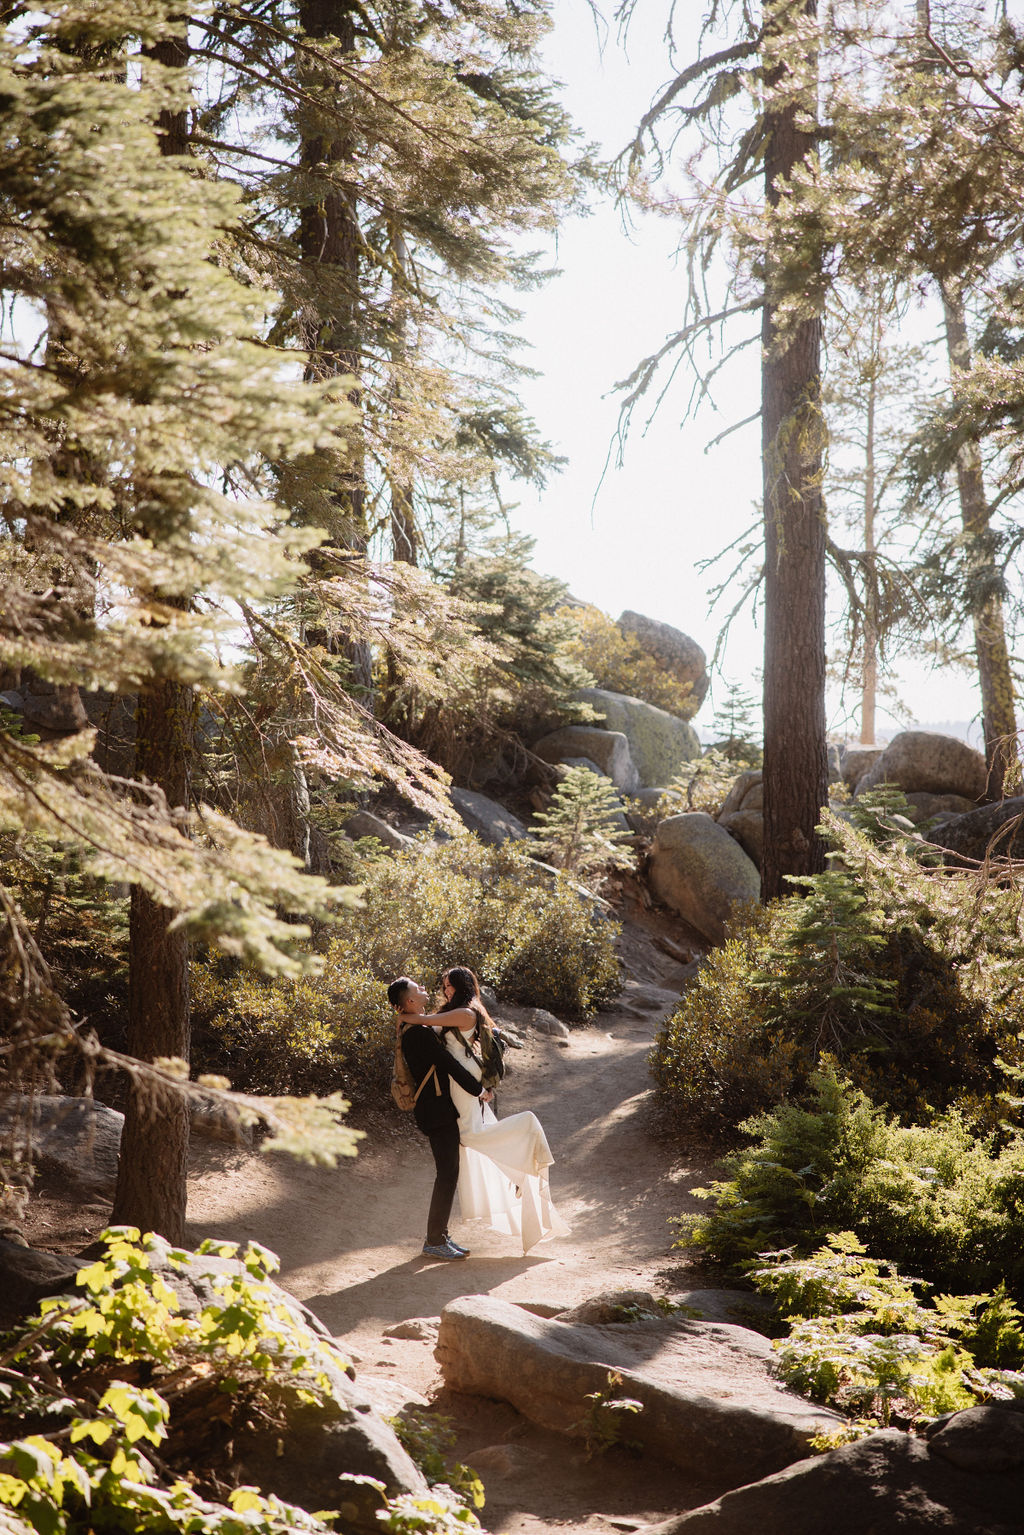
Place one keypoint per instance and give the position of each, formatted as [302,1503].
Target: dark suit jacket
[422,1049]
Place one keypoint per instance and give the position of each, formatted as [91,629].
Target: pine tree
[112,483]
[581,829]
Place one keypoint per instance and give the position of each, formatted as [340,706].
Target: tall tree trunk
[403,523]
[999,720]
[795,764]
[869,667]
[152,1172]
[329,242]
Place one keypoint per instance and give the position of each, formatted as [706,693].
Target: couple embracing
[500,1166]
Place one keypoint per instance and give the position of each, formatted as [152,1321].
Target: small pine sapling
[579,831]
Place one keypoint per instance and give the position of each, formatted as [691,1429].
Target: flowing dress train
[503,1164]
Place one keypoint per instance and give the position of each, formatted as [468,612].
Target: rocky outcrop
[697,869]
[645,811]
[856,761]
[75,1140]
[609,749]
[706,1389]
[925,807]
[747,793]
[27,1274]
[919,761]
[747,826]
[365,824]
[971,834]
[659,742]
[673,650]
[967,1479]
[312,1453]
[490,821]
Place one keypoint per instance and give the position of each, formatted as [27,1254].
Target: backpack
[403,1089]
[492,1054]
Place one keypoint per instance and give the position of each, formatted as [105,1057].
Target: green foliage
[606,1416]
[617,662]
[903,973]
[90,1449]
[533,938]
[714,1058]
[521,678]
[579,831]
[934,1199]
[429,1437]
[862,1340]
[701,784]
[105,1387]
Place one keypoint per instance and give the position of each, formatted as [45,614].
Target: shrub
[903,973]
[935,1199]
[861,1338]
[119,1405]
[535,939]
[715,1059]
[616,661]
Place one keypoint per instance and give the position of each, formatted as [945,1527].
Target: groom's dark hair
[397,991]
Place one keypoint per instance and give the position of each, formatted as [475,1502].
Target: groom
[436,1115]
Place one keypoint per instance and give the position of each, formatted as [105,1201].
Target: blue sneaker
[443,1250]
[464,1251]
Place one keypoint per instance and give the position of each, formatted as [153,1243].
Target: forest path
[349,1242]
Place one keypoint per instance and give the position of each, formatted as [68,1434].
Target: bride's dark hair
[465,993]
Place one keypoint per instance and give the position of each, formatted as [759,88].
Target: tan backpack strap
[437,1085]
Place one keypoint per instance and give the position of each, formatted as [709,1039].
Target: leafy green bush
[903,973]
[103,1392]
[535,939]
[861,1339]
[934,1199]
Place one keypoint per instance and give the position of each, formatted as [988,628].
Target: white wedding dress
[503,1164]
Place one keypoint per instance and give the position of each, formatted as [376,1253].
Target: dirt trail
[349,1243]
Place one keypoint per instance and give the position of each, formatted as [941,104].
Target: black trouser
[444,1143]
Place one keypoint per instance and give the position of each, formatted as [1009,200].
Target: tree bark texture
[869,669]
[152,1171]
[999,721]
[329,244]
[795,765]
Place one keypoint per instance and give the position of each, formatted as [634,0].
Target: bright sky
[634,538]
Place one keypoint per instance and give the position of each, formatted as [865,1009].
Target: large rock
[707,1390]
[491,821]
[698,870]
[921,761]
[26,1275]
[855,761]
[671,648]
[886,1484]
[365,824]
[73,1139]
[311,1453]
[747,826]
[742,787]
[971,834]
[608,748]
[659,742]
[925,807]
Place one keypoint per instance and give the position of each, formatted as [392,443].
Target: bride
[503,1172]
